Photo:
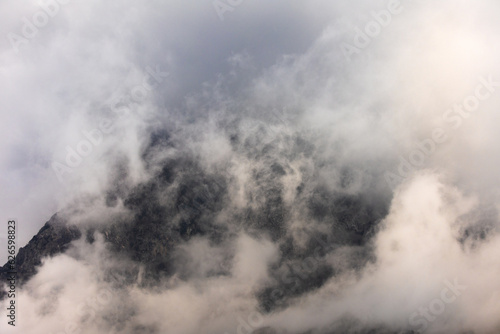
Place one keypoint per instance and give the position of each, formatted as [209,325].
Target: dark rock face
[183,200]
[53,238]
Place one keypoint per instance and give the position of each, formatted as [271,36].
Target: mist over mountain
[252,167]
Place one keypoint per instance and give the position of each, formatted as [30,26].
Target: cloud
[215,159]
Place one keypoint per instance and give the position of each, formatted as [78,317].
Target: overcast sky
[56,83]
[403,94]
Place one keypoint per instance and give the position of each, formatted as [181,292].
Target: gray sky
[86,55]
[404,95]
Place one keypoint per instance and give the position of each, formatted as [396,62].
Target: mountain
[52,239]
[183,201]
